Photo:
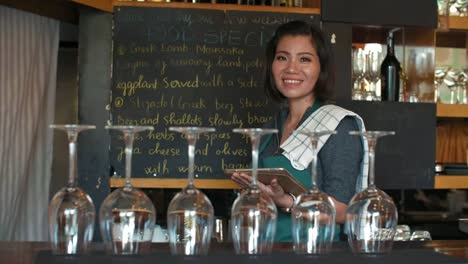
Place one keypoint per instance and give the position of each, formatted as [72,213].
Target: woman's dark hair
[322,90]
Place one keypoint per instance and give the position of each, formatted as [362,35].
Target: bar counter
[438,251]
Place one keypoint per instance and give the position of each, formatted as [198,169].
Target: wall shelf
[104,5]
[452,110]
[451,182]
[457,22]
[107,5]
[299,10]
[440,182]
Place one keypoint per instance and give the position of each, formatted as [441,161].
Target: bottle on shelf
[390,72]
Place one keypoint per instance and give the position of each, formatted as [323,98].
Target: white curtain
[28,66]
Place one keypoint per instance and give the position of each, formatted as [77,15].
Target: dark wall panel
[381,12]
[407,159]
[95,53]
[339,34]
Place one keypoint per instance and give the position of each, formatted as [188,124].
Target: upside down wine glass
[373,63]
[71,210]
[253,213]
[313,215]
[439,75]
[190,214]
[371,215]
[127,215]
[358,73]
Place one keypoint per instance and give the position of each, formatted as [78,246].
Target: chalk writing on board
[189,67]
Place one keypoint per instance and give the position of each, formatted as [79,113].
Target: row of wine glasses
[450,85]
[366,74]
[127,215]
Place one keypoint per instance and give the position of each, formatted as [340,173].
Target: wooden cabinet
[452,133]
[452,143]
[452,127]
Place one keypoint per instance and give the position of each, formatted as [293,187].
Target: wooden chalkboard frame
[225,7]
[201,183]
[174,183]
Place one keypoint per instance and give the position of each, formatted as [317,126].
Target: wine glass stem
[191,140]
[128,139]
[72,168]
[255,145]
[372,142]
[313,164]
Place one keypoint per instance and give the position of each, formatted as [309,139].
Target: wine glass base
[371,248]
[127,215]
[127,222]
[71,221]
[133,248]
[190,223]
[253,223]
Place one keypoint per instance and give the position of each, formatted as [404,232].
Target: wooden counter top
[26,252]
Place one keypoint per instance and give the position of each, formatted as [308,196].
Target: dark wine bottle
[390,73]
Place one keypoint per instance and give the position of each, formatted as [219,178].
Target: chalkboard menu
[189,67]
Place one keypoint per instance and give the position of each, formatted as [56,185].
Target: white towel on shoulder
[297,149]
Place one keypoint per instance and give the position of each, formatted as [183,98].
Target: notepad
[266,175]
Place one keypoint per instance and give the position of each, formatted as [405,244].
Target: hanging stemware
[439,75]
[190,214]
[71,210]
[313,215]
[127,216]
[373,63]
[371,215]
[358,61]
[253,213]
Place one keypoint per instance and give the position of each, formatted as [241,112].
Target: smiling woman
[299,76]
[296,68]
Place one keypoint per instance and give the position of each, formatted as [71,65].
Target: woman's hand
[242,179]
[340,211]
[282,199]
[274,189]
